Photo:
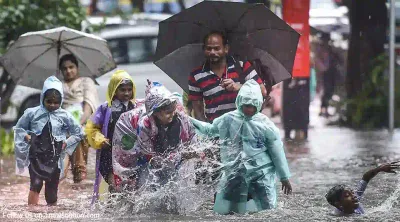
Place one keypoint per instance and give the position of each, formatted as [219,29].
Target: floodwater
[332,155]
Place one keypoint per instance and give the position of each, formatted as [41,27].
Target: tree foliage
[20,16]
[369,108]
[365,81]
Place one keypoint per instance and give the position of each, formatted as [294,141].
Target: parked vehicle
[133,49]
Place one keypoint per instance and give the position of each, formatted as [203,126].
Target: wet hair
[335,194]
[68,57]
[52,92]
[215,32]
[125,82]
[168,107]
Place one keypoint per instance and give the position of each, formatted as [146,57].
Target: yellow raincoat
[96,127]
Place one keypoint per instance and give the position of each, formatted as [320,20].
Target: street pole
[391,65]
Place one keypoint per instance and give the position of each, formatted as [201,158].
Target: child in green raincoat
[251,153]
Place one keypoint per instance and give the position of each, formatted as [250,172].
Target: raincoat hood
[115,81]
[51,83]
[156,96]
[249,94]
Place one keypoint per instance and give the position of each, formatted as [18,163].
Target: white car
[133,49]
[133,46]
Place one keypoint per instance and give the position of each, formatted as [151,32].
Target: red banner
[296,14]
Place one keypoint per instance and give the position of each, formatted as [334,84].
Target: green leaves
[6,142]
[20,16]
[369,108]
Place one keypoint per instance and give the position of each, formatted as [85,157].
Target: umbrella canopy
[253,32]
[35,55]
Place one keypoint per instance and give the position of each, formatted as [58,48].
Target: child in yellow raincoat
[100,128]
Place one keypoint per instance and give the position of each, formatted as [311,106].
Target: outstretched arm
[208,129]
[388,168]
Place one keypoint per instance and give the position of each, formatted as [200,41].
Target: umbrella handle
[58,57]
[97,180]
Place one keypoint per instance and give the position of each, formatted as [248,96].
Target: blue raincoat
[34,120]
[251,153]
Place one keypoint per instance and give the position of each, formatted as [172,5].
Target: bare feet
[33,198]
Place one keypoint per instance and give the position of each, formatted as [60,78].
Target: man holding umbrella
[270,43]
[187,37]
[217,82]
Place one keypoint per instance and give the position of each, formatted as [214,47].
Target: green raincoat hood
[249,94]
[251,152]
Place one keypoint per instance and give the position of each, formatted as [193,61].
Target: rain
[182,110]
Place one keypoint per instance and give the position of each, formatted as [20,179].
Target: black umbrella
[253,32]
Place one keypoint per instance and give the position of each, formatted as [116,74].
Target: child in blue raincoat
[251,153]
[41,141]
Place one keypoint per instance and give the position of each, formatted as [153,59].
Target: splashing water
[168,191]
[182,196]
[393,199]
[316,166]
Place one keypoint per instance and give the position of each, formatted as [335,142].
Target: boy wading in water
[41,141]
[346,200]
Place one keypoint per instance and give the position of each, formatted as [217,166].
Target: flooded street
[124,77]
[332,155]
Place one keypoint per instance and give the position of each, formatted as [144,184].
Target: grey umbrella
[253,31]
[35,55]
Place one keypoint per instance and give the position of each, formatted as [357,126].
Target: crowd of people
[132,136]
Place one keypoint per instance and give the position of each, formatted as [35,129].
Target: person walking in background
[81,99]
[326,64]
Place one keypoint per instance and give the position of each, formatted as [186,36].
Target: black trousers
[105,167]
[51,185]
